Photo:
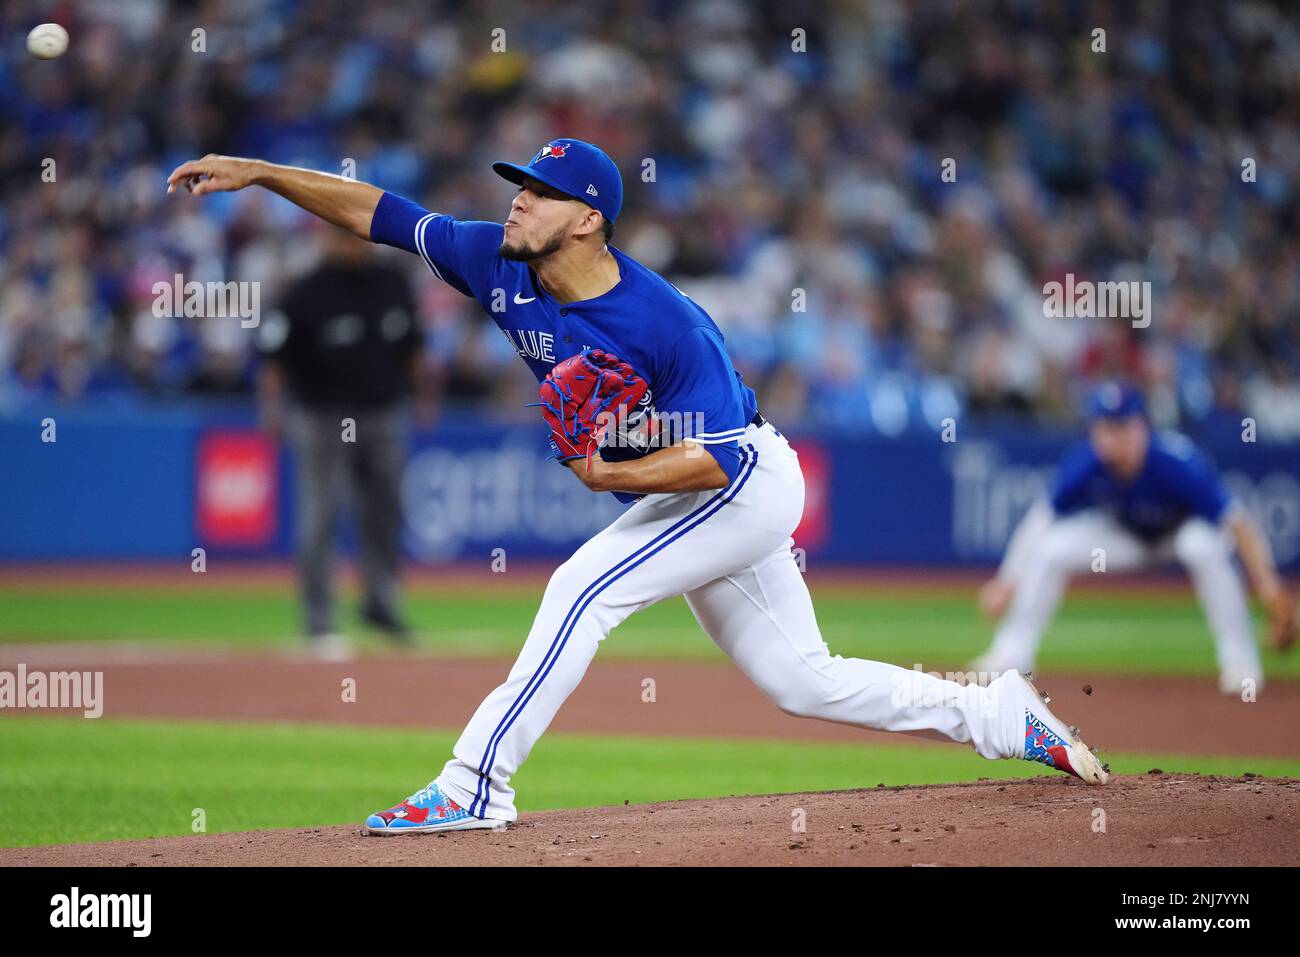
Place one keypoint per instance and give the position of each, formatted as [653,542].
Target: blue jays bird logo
[555,150]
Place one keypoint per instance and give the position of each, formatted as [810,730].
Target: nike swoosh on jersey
[520,302]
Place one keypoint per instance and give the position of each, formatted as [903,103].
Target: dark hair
[607,227]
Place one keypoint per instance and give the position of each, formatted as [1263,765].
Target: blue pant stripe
[479,805]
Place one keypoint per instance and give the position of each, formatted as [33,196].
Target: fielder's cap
[1115,400]
[575,168]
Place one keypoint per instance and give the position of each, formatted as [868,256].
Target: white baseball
[47,41]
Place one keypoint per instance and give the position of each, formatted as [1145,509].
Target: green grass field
[1139,632]
[1132,632]
[68,780]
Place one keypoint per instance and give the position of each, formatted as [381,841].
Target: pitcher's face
[541,221]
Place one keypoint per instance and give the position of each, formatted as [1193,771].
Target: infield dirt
[1143,714]
[1150,820]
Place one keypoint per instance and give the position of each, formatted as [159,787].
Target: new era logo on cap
[586,174]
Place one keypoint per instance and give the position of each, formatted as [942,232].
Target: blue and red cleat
[1043,746]
[425,811]
[1052,743]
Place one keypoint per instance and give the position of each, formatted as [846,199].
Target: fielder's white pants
[729,553]
[1067,548]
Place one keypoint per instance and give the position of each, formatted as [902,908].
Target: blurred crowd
[867,197]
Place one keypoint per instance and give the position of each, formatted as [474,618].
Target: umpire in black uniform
[344,346]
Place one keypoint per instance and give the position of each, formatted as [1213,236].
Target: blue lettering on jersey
[532,344]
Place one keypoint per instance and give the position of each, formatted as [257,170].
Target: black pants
[330,470]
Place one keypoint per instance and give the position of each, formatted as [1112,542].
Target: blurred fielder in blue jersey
[1128,498]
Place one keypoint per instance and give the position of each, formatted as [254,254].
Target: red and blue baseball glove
[583,396]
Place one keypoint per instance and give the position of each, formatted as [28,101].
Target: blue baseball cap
[576,168]
[1115,400]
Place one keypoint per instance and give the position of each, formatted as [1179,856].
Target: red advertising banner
[815,464]
[236,500]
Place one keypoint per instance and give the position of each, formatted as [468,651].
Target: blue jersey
[645,320]
[1175,483]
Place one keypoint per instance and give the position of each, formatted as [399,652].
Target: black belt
[758,421]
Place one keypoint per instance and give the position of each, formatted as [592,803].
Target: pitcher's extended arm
[344,202]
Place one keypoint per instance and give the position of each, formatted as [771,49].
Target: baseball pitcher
[642,400]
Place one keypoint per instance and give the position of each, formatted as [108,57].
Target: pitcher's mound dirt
[1155,819]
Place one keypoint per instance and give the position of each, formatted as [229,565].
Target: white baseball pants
[729,553]
[1066,548]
